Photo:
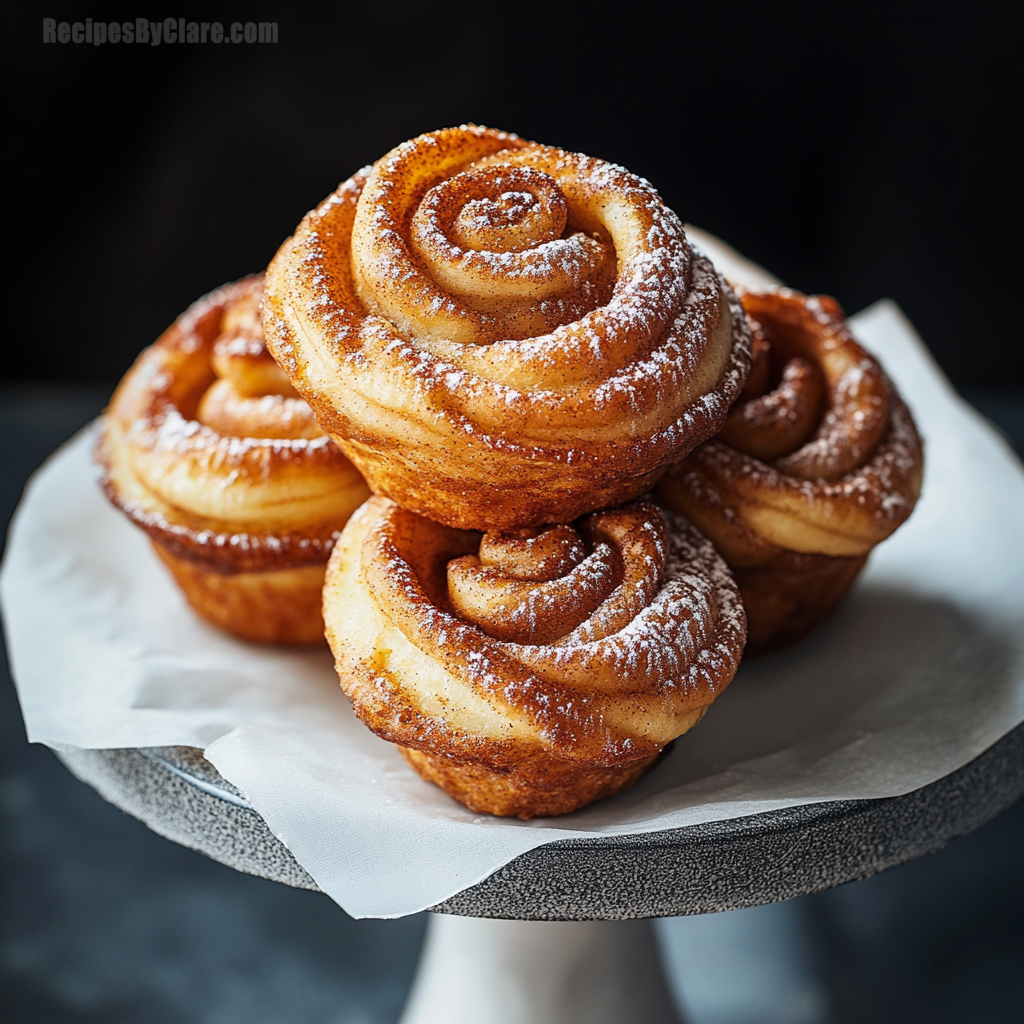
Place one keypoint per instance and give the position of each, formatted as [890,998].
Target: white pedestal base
[483,971]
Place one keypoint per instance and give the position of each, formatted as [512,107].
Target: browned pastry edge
[536,787]
[546,484]
[553,493]
[790,594]
[269,607]
[519,708]
[725,487]
[521,437]
[145,393]
[211,544]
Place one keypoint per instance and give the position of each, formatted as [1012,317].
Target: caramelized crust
[531,673]
[807,477]
[271,607]
[206,447]
[538,786]
[500,333]
[790,593]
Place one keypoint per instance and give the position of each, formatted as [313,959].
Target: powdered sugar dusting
[433,305]
[666,636]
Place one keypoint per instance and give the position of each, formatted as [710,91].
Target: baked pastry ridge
[500,333]
[817,463]
[206,446]
[530,672]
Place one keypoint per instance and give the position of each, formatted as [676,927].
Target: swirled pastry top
[501,333]
[820,455]
[208,447]
[598,642]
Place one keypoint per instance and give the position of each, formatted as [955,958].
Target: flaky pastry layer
[207,447]
[818,462]
[556,662]
[500,333]
[273,498]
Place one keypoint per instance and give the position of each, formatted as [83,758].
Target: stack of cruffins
[543,470]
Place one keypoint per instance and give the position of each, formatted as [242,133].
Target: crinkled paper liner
[921,670]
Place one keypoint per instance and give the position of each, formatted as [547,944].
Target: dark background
[864,150]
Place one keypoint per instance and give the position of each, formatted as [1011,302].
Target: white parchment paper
[922,669]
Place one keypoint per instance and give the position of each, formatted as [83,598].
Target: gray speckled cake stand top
[721,865]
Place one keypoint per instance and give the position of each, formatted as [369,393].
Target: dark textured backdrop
[859,149]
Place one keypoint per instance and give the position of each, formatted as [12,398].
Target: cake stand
[559,934]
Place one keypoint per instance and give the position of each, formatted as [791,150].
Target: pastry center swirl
[250,396]
[828,408]
[603,580]
[496,238]
[495,209]
[532,590]
[215,430]
[604,638]
[473,238]
[533,553]
[500,333]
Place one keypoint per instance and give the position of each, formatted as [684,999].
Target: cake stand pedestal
[476,969]
[598,962]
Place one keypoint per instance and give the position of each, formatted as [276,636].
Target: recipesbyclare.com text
[169,31]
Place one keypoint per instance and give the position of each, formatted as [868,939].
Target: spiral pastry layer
[817,463]
[532,671]
[500,333]
[209,449]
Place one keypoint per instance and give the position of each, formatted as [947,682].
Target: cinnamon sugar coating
[531,673]
[206,446]
[500,333]
[818,462]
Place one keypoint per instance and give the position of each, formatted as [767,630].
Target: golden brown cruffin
[208,448]
[530,672]
[817,463]
[499,333]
